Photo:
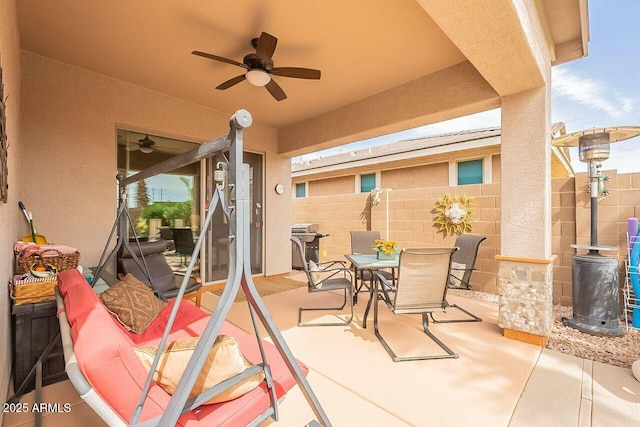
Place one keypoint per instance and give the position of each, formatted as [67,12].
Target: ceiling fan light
[258,77]
[146,150]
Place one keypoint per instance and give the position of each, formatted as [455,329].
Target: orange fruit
[41,269]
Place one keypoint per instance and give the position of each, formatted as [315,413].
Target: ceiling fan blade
[219,58]
[231,82]
[275,90]
[266,46]
[296,72]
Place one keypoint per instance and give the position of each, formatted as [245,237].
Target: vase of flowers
[385,249]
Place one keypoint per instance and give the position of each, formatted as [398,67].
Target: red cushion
[79,298]
[105,357]
[187,314]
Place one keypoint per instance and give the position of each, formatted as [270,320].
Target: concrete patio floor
[495,381]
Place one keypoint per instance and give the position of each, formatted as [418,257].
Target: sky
[600,90]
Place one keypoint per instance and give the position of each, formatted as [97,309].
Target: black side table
[34,327]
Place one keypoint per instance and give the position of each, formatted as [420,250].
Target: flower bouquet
[385,249]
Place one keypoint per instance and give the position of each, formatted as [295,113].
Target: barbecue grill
[310,237]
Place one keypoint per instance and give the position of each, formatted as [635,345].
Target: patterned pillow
[315,277]
[456,274]
[224,361]
[132,303]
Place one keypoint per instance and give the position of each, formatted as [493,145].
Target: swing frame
[237,212]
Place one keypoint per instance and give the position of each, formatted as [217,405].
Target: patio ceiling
[364,49]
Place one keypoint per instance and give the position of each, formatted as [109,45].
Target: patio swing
[180,404]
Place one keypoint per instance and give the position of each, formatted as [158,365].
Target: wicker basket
[59,261]
[32,290]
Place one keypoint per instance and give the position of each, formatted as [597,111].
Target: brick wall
[410,222]
[622,203]
[563,235]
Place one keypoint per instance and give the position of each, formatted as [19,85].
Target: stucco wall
[329,186]
[70,117]
[10,216]
[416,176]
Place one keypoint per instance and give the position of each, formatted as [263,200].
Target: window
[301,189]
[470,172]
[168,200]
[367,182]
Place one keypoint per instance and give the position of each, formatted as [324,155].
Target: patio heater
[596,301]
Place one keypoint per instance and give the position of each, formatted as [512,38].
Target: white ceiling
[362,47]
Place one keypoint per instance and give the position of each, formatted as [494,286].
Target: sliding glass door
[217,261]
[165,204]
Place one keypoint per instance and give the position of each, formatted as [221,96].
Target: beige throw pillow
[132,303]
[457,273]
[223,362]
[315,277]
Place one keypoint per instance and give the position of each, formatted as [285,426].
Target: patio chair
[167,235]
[462,265]
[183,240]
[463,262]
[362,243]
[421,288]
[335,277]
[163,278]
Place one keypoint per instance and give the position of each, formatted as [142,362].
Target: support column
[526,266]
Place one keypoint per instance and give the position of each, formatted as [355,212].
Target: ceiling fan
[260,67]
[145,145]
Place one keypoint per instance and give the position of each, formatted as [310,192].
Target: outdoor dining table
[372,263]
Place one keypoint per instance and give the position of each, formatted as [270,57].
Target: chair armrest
[463,269]
[462,284]
[215,287]
[330,264]
[195,277]
[385,288]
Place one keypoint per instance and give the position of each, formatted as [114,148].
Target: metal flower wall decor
[454,214]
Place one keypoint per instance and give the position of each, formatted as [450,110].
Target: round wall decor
[453,214]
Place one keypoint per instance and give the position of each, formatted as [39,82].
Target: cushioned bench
[104,353]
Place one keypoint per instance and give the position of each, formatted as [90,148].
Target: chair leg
[344,303]
[473,317]
[425,325]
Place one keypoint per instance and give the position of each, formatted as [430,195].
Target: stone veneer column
[526,267]
[526,298]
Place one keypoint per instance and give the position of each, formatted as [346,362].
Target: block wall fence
[408,216]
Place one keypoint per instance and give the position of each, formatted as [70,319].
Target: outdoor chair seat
[335,277]
[332,285]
